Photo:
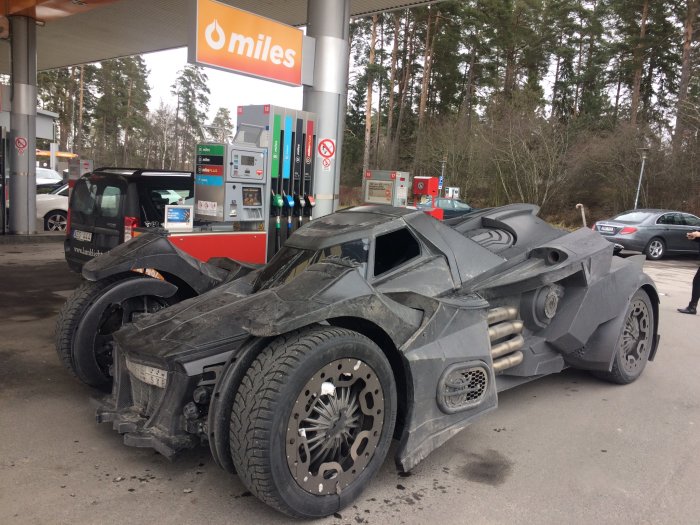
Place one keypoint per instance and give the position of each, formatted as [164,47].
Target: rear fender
[155,251]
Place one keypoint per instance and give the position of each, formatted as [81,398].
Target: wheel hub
[335,426]
[636,336]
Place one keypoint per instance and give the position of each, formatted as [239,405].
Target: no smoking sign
[326,148]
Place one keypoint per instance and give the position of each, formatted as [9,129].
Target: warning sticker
[378,192]
[206,208]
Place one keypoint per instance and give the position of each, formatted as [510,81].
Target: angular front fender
[155,251]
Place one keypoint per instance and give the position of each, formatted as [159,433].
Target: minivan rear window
[84,195]
[155,194]
[96,197]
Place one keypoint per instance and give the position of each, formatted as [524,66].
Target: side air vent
[462,386]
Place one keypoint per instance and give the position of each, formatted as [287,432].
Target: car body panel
[438,311]
[48,202]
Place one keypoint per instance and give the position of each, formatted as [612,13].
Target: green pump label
[210,149]
[275,156]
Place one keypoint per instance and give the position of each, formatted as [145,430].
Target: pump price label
[210,149]
[210,170]
[210,160]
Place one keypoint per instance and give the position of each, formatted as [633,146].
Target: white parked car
[52,209]
[47,178]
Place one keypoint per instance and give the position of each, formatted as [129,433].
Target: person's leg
[692,307]
[696,289]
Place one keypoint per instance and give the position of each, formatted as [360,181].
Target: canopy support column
[22,138]
[329,24]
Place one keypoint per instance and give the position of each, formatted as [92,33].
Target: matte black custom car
[370,324]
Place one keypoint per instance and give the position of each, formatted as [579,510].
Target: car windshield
[459,205]
[632,216]
[61,190]
[43,173]
[289,262]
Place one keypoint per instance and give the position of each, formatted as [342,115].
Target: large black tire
[634,343]
[88,356]
[301,382]
[655,249]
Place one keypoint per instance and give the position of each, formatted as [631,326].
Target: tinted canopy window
[289,262]
[393,249]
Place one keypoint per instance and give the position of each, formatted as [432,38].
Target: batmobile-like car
[373,323]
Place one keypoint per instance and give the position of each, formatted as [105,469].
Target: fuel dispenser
[386,187]
[425,189]
[258,189]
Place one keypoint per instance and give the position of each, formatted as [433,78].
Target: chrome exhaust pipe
[505,329]
[508,347]
[507,362]
[502,313]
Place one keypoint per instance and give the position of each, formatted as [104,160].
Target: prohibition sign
[326,148]
[21,145]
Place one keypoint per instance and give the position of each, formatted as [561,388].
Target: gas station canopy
[82,31]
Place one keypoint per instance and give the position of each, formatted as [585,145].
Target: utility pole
[643,152]
[442,173]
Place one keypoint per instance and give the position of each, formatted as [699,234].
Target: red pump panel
[426,186]
[250,247]
[437,213]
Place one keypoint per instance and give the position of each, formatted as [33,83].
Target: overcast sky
[228,90]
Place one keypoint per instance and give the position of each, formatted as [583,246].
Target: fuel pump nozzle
[300,203]
[276,208]
[309,208]
[288,211]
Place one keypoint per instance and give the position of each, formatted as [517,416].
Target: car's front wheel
[84,327]
[312,420]
[655,249]
[55,221]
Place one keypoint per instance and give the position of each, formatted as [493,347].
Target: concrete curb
[31,239]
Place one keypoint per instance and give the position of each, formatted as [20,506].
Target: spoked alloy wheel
[335,426]
[56,221]
[635,342]
[656,249]
[312,420]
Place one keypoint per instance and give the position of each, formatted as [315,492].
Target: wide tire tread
[251,417]
[71,314]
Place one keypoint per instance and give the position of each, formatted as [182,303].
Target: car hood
[217,319]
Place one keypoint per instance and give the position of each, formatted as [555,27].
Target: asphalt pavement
[565,449]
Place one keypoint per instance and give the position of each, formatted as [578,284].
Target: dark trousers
[696,289]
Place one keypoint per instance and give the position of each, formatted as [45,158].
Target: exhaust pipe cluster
[505,333]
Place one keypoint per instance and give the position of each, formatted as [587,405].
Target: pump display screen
[247,160]
[252,196]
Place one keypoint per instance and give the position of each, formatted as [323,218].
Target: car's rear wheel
[55,221]
[84,335]
[634,343]
[655,249]
[312,420]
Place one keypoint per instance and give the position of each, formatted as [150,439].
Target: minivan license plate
[80,235]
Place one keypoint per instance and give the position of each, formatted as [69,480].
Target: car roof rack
[142,172]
